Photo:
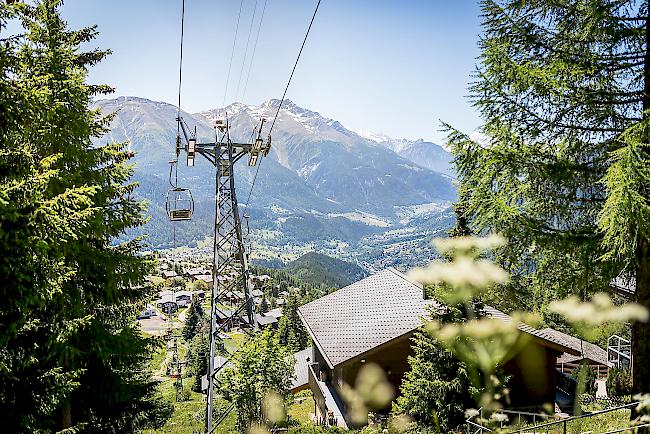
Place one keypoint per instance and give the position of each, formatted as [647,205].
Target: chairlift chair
[180,204]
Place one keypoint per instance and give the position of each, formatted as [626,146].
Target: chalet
[373,320]
[233,297]
[588,353]
[148,312]
[191,273]
[277,313]
[227,319]
[167,303]
[301,367]
[266,321]
[184,298]
[206,278]
[169,274]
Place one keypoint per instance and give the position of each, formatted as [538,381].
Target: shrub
[619,382]
[585,376]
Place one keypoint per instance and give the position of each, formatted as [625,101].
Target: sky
[395,67]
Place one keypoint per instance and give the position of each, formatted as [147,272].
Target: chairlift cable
[180,84]
[250,65]
[248,40]
[232,54]
[180,67]
[295,65]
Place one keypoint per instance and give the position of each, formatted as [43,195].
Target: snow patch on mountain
[373,137]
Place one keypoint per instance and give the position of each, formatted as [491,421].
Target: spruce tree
[193,319]
[72,355]
[437,389]
[264,306]
[562,169]
[291,331]
[261,366]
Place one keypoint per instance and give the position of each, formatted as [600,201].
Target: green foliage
[193,319]
[261,366]
[264,306]
[586,377]
[71,355]
[619,382]
[199,285]
[437,389]
[318,269]
[555,106]
[562,171]
[199,349]
[178,283]
[291,331]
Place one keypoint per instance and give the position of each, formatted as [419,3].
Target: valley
[368,199]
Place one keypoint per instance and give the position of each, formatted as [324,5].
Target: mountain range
[322,187]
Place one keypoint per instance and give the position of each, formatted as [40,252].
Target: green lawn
[600,423]
[302,407]
[158,358]
[237,339]
[188,415]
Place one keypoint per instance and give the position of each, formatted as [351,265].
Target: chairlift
[180,204]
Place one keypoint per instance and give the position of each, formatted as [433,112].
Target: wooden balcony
[329,406]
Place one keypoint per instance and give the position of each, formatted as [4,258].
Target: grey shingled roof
[544,334]
[586,351]
[375,310]
[300,378]
[364,315]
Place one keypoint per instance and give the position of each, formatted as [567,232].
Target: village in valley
[371,321]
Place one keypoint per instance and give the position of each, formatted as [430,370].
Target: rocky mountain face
[321,183]
[423,153]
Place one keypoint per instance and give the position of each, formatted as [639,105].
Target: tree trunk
[66,414]
[641,331]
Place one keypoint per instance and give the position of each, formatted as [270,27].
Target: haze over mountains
[322,187]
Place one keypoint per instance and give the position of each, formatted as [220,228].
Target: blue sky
[396,67]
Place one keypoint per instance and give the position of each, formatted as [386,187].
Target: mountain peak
[286,105]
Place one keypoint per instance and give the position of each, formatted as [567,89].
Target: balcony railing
[325,398]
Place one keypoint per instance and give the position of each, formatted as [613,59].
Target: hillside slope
[317,269]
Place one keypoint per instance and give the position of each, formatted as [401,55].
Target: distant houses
[148,312]
[171,301]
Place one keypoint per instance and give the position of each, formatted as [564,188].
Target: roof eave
[315,341]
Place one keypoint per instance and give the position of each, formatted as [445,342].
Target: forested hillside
[319,269]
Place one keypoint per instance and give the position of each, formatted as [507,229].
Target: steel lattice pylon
[230,267]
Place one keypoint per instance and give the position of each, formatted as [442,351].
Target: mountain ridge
[321,186]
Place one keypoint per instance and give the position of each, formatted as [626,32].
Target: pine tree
[291,330]
[264,306]
[199,351]
[437,389]
[193,319]
[261,366]
[72,355]
[564,91]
